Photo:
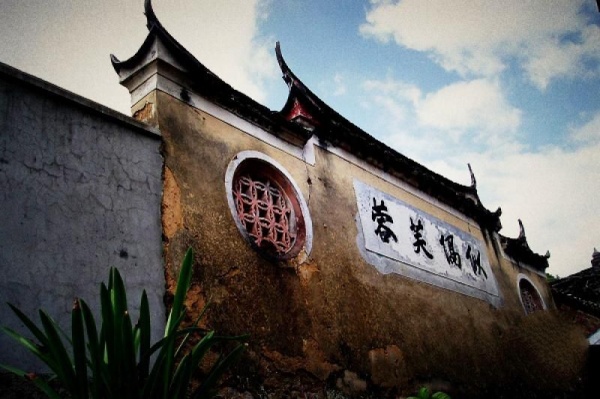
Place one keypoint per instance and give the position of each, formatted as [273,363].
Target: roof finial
[283,66]
[473,180]
[521,230]
[151,19]
[596,258]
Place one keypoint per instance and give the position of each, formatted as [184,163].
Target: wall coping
[16,75]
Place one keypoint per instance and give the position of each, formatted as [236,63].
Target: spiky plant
[115,361]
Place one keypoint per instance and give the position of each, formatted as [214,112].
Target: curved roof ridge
[307,115]
[293,81]
[151,18]
[331,122]
[155,28]
[518,249]
[203,80]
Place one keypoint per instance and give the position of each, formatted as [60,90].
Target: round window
[530,297]
[267,207]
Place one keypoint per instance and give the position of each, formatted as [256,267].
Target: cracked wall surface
[79,193]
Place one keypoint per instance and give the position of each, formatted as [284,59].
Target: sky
[511,87]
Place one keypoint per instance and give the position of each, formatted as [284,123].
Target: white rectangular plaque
[441,253]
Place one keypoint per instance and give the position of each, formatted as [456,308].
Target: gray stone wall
[80,191]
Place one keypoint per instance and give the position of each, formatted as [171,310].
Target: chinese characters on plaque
[400,232]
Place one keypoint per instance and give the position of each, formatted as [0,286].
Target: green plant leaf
[107,339]
[118,298]
[41,350]
[94,349]
[198,352]
[183,285]
[118,292]
[129,361]
[37,333]
[107,336]
[181,378]
[144,337]
[157,377]
[79,352]
[440,395]
[37,381]
[116,357]
[217,371]
[173,321]
[202,347]
[64,366]
[14,370]
[169,362]
[38,351]
[44,387]
[187,336]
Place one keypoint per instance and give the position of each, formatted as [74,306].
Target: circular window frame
[522,277]
[278,174]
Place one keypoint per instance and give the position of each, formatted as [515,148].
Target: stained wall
[80,190]
[330,319]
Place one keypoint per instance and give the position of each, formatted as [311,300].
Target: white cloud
[477,105]
[554,191]
[589,133]
[551,59]
[479,37]
[223,35]
[395,88]
[340,86]
[394,98]
[227,42]
[463,113]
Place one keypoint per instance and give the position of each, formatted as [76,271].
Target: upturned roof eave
[136,59]
[580,290]
[156,30]
[334,128]
[203,81]
[518,249]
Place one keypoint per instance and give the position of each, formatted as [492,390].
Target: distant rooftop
[581,290]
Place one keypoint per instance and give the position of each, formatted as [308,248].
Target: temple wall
[380,290]
[80,190]
[329,316]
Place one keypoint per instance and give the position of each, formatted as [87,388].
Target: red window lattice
[266,213]
[531,300]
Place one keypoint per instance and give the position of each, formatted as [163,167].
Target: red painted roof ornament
[299,107]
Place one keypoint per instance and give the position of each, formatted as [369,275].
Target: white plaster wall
[79,192]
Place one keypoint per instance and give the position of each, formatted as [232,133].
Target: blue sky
[513,87]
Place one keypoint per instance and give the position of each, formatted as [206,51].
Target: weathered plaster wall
[334,319]
[80,190]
